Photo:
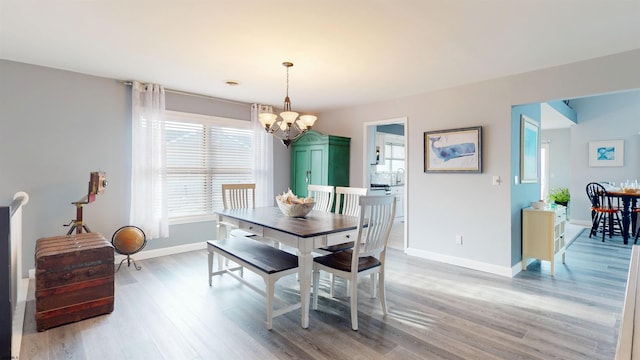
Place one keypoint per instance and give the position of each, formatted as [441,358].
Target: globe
[129,240]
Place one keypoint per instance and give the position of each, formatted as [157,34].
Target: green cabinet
[320,160]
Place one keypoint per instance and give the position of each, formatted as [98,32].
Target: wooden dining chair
[367,256]
[322,195]
[238,196]
[635,211]
[605,216]
[347,200]
[347,203]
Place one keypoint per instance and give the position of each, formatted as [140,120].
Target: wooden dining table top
[316,223]
[636,193]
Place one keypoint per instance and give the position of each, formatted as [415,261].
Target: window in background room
[393,156]
[204,152]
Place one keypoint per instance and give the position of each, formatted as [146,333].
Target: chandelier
[289,126]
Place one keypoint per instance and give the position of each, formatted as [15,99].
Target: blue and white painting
[606,153]
[453,150]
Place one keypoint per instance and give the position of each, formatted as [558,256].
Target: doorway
[385,162]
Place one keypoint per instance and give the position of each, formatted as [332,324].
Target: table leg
[634,216]
[305,264]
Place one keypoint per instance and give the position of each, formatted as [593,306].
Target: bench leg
[270,295]
[210,258]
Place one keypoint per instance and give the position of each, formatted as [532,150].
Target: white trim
[149,254]
[470,264]
[154,253]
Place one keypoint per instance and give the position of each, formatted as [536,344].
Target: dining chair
[635,211]
[322,195]
[347,203]
[347,200]
[367,256]
[604,215]
[238,196]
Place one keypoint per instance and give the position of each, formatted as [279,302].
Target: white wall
[441,206]
[559,156]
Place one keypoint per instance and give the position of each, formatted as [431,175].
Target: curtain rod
[180,92]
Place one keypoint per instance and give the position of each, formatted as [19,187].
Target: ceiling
[345,52]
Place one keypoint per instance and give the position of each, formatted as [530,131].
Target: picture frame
[606,153]
[453,151]
[529,150]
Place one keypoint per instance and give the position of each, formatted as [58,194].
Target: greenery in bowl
[560,196]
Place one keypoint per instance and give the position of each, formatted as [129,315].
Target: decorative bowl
[295,210]
[538,205]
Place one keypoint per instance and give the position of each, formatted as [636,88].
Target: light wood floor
[436,311]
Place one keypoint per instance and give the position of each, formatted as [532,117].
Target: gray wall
[58,126]
[607,117]
[441,206]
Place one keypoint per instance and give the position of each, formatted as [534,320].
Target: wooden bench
[266,261]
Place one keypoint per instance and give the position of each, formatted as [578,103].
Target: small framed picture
[606,153]
[453,151]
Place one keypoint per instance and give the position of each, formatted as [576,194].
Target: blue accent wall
[521,194]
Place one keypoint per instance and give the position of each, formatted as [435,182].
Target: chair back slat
[376,218]
[322,196]
[347,200]
[238,196]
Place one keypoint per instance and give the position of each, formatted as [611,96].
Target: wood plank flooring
[436,311]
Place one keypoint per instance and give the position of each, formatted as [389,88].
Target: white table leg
[305,264]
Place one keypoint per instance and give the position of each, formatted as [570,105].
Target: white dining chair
[347,200]
[322,196]
[347,203]
[367,256]
[238,196]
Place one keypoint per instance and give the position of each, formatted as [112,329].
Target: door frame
[366,166]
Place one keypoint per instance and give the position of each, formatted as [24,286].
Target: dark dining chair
[605,213]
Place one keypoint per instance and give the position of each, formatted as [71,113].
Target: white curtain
[149,209]
[263,150]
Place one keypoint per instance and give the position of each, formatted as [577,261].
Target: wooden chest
[74,278]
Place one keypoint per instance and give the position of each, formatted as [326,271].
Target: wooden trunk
[74,278]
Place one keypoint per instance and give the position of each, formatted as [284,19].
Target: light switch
[496,180]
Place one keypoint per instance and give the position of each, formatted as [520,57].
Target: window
[393,156]
[203,152]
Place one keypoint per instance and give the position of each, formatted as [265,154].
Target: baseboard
[149,254]
[466,263]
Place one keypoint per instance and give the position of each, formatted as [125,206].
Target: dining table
[316,230]
[629,201]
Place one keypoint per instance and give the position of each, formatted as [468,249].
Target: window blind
[202,153]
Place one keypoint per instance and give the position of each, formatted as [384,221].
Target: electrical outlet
[459,239]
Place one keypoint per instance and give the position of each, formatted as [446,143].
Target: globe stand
[128,240]
[129,259]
